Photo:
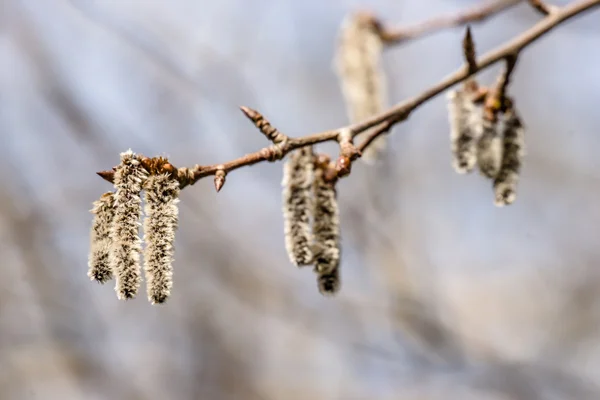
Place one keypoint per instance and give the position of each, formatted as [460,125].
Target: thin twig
[542,7]
[475,14]
[400,111]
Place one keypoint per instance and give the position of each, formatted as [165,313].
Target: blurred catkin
[126,244]
[160,223]
[329,284]
[358,64]
[326,232]
[513,142]
[465,128]
[100,269]
[489,148]
[297,182]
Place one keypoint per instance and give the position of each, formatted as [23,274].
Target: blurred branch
[478,13]
[283,144]
[541,7]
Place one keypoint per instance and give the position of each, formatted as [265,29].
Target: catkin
[489,148]
[505,184]
[465,128]
[326,232]
[329,284]
[98,262]
[297,182]
[160,223]
[126,244]
[358,64]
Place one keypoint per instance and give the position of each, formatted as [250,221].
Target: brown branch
[542,7]
[397,113]
[478,13]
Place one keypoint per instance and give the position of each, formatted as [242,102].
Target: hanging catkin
[126,244]
[513,142]
[489,148]
[160,224]
[326,232]
[100,269]
[297,205]
[358,64]
[465,128]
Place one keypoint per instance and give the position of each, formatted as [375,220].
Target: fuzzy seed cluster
[494,145]
[98,263]
[298,205]
[127,245]
[116,246]
[311,219]
[358,64]
[160,224]
[326,229]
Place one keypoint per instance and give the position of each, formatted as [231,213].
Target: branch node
[348,152]
[263,125]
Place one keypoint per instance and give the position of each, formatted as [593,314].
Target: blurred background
[444,296]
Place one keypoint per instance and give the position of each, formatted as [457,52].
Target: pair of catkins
[311,217]
[115,246]
[491,139]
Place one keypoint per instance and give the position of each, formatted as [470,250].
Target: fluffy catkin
[329,284]
[489,148]
[98,262]
[326,232]
[297,205]
[505,184]
[160,223]
[126,245]
[465,128]
[360,72]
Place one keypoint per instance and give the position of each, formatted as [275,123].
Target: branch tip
[263,125]
[541,7]
[469,51]
[106,175]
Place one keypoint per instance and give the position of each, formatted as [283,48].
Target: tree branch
[542,7]
[478,13]
[384,121]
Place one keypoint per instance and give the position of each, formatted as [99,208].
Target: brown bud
[168,168]
[106,175]
[343,166]
[147,163]
[220,177]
